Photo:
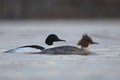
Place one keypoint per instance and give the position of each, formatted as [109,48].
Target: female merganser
[36,48]
[71,50]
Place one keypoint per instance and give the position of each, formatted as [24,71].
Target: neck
[51,46]
[85,49]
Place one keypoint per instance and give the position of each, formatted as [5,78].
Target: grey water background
[105,66]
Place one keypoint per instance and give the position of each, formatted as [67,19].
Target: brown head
[86,41]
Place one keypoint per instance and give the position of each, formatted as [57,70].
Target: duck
[72,50]
[51,38]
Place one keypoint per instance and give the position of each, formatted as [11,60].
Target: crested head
[86,41]
[52,38]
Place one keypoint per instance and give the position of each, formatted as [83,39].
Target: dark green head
[52,38]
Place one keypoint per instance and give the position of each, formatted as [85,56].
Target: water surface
[105,66]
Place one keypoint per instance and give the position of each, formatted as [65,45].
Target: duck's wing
[23,48]
[33,46]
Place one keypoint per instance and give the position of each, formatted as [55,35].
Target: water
[104,66]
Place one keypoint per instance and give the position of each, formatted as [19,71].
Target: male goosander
[36,48]
[71,50]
